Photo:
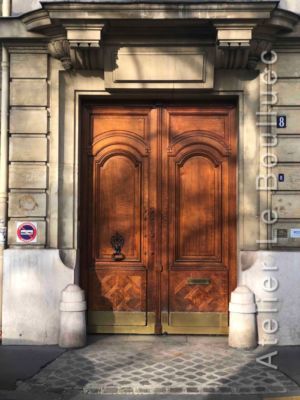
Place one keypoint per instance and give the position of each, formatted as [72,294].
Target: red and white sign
[26,232]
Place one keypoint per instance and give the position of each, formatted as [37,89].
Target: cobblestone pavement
[162,365]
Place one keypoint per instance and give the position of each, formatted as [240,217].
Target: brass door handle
[117,242]
[199,281]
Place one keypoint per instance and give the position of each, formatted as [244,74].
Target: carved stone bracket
[60,49]
[79,48]
[241,45]
[262,41]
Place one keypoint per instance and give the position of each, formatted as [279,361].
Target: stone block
[33,280]
[278,270]
[27,204]
[291,176]
[27,176]
[293,118]
[27,149]
[12,233]
[287,205]
[288,92]
[287,65]
[28,121]
[28,92]
[23,65]
[288,149]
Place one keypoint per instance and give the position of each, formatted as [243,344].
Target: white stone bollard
[242,319]
[72,332]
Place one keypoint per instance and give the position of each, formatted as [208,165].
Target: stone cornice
[218,10]
[243,29]
[13,28]
[282,20]
[36,20]
[161,10]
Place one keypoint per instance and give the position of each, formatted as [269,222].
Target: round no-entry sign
[26,232]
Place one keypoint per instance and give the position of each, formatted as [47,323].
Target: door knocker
[117,242]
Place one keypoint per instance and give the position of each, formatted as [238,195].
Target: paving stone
[159,367]
[176,390]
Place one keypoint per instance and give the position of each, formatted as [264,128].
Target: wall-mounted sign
[281,121]
[26,232]
[281,177]
[282,233]
[295,233]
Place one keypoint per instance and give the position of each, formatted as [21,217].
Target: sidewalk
[23,362]
[147,367]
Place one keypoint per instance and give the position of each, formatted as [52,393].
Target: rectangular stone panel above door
[27,204]
[27,176]
[28,149]
[28,92]
[159,67]
[24,120]
[25,65]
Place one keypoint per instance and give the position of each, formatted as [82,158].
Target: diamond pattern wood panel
[209,298]
[117,291]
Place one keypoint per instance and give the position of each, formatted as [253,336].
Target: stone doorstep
[102,389]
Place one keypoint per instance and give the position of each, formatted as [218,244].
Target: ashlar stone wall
[28,141]
[286,200]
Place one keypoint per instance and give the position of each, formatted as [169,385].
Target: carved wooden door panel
[158,218]
[199,229]
[119,178]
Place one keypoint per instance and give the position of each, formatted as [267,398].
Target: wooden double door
[158,217]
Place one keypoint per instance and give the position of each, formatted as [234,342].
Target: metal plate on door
[198,281]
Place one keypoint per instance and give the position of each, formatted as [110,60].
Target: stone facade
[54,64]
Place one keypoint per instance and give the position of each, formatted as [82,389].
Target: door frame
[86,104]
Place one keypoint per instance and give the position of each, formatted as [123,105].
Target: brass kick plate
[198,281]
[121,322]
[195,323]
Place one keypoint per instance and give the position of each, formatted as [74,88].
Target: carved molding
[233,35]
[80,48]
[241,46]
[83,34]
[88,59]
[243,30]
[262,41]
[60,49]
